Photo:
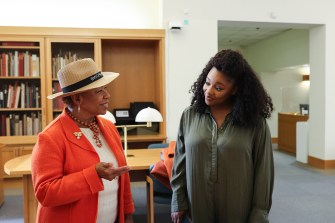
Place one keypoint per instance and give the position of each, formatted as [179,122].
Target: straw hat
[81,75]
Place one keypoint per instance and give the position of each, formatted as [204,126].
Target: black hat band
[82,83]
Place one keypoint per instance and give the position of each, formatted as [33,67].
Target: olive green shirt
[222,174]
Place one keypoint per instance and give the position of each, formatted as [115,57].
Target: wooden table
[139,160]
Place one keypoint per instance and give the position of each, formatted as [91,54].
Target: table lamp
[148,115]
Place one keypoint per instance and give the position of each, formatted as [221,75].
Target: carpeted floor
[301,195]
[162,211]
[12,209]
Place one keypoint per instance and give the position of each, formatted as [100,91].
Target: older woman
[79,169]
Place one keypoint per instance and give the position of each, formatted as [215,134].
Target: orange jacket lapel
[73,133]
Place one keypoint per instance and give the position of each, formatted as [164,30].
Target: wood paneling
[321,164]
[287,131]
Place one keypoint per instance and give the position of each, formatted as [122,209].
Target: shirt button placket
[214,152]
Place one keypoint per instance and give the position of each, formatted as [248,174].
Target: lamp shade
[109,116]
[149,115]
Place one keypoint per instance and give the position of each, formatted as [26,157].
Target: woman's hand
[108,172]
[177,217]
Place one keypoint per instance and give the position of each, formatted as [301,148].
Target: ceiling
[245,36]
[246,33]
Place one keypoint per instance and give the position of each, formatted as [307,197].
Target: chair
[162,194]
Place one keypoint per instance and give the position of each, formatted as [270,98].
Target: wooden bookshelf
[22,68]
[59,52]
[137,54]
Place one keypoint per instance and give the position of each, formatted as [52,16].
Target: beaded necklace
[93,126]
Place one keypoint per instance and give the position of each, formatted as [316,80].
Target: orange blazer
[65,181]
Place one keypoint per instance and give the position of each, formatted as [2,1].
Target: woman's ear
[76,99]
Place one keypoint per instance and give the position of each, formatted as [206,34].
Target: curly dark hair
[251,99]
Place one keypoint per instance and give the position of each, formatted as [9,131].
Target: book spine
[5,94]
[7,65]
[16,64]
[17,96]
[16,125]
[10,96]
[37,97]
[26,64]
[29,126]
[13,43]
[4,61]
[3,125]
[21,64]
[34,65]
[2,100]
[8,126]
[24,127]
[23,90]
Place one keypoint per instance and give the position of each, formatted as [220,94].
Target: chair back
[162,194]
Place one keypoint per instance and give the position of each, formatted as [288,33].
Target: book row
[19,64]
[59,61]
[20,95]
[15,124]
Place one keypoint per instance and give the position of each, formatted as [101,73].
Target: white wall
[318,106]
[82,13]
[280,61]
[287,91]
[287,49]
[185,61]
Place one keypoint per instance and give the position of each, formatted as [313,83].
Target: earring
[79,108]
